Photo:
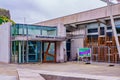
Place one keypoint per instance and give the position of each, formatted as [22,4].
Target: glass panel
[32,30]
[102,31]
[92,30]
[109,28]
[14,55]
[20,30]
[49,31]
[52,49]
[44,32]
[32,57]
[109,34]
[52,32]
[14,30]
[34,51]
[49,58]
[118,29]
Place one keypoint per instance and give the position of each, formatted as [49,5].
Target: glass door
[29,51]
[49,52]
[34,50]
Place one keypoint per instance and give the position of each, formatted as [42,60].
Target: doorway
[26,51]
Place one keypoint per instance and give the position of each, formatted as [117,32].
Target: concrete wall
[77,43]
[83,16]
[5,43]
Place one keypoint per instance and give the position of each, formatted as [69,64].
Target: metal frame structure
[109,4]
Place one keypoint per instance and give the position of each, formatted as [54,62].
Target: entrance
[26,51]
[33,51]
[49,52]
[34,48]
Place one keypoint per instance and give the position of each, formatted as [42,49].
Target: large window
[33,30]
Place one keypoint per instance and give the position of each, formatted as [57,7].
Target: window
[118,29]
[33,30]
[92,30]
[109,34]
[102,31]
[20,29]
[49,31]
[109,28]
[44,32]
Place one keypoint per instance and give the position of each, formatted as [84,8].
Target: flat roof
[89,15]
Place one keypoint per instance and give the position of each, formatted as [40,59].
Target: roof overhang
[38,38]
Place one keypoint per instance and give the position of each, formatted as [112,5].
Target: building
[23,43]
[91,29]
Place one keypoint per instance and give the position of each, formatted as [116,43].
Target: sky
[33,11]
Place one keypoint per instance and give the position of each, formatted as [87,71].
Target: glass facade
[31,50]
[33,30]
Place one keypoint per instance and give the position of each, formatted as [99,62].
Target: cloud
[40,10]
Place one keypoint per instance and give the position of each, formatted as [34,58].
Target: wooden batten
[101,52]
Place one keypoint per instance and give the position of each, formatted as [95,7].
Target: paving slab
[4,77]
[28,75]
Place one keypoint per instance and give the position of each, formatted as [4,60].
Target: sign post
[84,54]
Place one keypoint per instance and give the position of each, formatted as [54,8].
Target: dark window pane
[108,28]
[92,36]
[118,29]
[109,34]
[102,31]
[92,30]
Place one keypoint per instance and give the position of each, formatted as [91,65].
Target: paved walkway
[74,67]
[95,69]
[35,75]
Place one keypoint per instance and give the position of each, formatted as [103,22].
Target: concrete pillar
[61,30]
[61,46]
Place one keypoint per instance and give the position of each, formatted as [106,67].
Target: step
[4,77]
[28,75]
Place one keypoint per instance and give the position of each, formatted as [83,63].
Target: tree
[4,19]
